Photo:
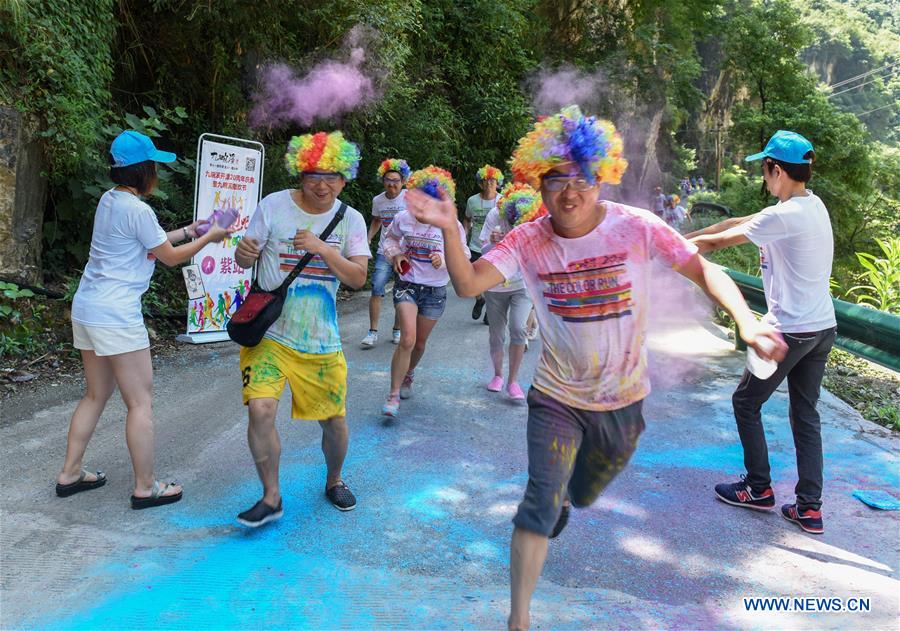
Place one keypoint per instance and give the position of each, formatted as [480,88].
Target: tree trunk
[23,195]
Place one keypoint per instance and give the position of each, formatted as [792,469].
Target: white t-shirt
[309,320]
[417,241]
[477,209]
[495,221]
[386,209]
[118,271]
[591,298]
[796,249]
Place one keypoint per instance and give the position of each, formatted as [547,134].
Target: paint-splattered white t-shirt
[309,320]
[418,241]
[591,297]
[386,209]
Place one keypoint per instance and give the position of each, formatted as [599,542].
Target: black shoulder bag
[261,308]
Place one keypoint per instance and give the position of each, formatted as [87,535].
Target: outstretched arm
[720,240]
[767,342]
[722,226]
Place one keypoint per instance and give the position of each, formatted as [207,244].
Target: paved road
[427,547]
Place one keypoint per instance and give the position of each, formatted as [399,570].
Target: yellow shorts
[318,382]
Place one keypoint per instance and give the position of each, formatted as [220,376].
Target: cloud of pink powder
[552,89]
[329,89]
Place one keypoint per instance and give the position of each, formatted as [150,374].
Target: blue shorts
[384,271]
[430,300]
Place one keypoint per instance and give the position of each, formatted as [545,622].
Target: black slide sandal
[156,497]
[79,485]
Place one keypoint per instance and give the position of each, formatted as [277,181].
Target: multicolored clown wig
[394,164]
[431,180]
[487,172]
[322,152]
[519,203]
[570,136]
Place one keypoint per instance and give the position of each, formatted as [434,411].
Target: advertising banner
[229,177]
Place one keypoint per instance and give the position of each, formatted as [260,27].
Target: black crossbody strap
[306,258]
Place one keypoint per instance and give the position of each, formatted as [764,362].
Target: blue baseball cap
[787,146]
[131,147]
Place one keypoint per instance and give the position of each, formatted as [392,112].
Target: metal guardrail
[719,208]
[870,334]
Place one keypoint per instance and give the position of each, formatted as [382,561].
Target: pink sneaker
[515,392]
[495,384]
[391,406]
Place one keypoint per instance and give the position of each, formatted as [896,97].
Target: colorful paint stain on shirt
[308,322]
[591,297]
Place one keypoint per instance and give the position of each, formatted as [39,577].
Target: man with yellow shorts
[303,347]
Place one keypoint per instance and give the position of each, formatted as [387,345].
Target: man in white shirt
[393,173]
[489,179]
[796,248]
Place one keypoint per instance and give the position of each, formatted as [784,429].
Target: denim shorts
[384,271]
[430,300]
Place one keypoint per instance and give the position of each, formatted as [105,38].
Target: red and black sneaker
[809,520]
[740,494]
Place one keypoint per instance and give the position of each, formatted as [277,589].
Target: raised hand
[440,213]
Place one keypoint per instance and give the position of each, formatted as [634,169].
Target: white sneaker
[369,340]
[395,337]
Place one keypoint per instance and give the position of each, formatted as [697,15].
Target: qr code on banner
[250,164]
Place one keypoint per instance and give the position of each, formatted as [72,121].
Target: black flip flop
[156,497]
[79,485]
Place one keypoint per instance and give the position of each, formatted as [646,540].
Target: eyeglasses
[331,179]
[558,183]
[392,180]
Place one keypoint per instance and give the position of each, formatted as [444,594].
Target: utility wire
[876,109]
[850,89]
[859,76]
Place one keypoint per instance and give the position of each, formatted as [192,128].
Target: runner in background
[420,295]
[508,304]
[489,179]
[393,173]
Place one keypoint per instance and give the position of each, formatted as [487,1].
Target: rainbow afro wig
[570,136]
[322,152]
[394,164]
[487,172]
[520,202]
[431,180]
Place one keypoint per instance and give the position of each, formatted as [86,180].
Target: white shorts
[109,340]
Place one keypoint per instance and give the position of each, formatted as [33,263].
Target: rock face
[23,195]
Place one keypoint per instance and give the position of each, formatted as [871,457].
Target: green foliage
[882,277]
[56,66]
[22,319]
[852,38]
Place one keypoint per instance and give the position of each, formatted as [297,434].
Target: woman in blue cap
[796,247]
[107,324]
